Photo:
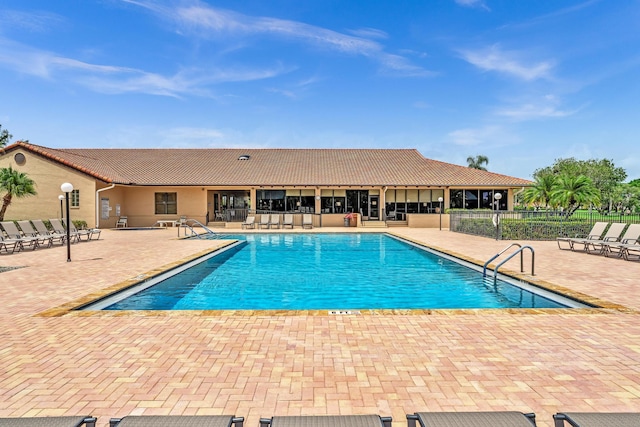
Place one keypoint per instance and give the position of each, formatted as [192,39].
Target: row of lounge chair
[424,419]
[610,240]
[35,234]
[273,221]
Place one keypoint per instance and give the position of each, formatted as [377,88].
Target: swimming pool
[326,272]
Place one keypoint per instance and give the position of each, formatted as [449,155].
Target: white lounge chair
[307,221]
[595,233]
[264,221]
[287,221]
[122,222]
[631,237]
[612,235]
[250,222]
[274,222]
[57,226]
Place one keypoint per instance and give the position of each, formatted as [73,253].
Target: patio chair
[595,233]
[58,228]
[264,221]
[43,230]
[287,221]
[595,419]
[307,221]
[327,421]
[612,235]
[471,419]
[177,421]
[11,229]
[123,222]
[630,237]
[250,222]
[29,231]
[68,421]
[274,221]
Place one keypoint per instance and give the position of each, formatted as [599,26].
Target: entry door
[374,207]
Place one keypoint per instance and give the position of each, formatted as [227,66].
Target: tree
[540,193]
[571,192]
[16,184]
[477,162]
[604,175]
[5,136]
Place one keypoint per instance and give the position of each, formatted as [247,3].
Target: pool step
[397,224]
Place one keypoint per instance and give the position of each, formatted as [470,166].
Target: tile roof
[277,167]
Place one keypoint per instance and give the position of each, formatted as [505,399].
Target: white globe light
[66,187]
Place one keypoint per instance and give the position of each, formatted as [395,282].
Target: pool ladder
[185,224]
[519,251]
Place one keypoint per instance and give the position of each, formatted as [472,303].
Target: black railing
[531,225]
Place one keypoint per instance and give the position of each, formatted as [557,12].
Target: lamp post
[497,196]
[61,198]
[440,200]
[66,189]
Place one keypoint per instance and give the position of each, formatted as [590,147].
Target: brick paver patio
[262,365]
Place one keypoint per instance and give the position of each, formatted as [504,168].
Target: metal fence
[531,225]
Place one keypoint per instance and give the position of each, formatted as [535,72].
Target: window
[75,199]
[474,199]
[166,203]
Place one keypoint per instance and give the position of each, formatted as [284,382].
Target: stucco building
[397,186]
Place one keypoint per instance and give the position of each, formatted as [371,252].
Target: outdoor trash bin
[346,222]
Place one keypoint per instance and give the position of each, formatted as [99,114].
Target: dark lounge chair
[177,421]
[471,419]
[71,421]
[595,419]
[327,421]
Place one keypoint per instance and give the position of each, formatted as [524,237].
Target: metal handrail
[186,225]
[484,269]
[533,258]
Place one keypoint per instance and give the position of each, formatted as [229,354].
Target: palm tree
[540,192]
[573,191]
[477,162]
[16,184]
[5,136]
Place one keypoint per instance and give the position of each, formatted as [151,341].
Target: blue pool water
[329,271]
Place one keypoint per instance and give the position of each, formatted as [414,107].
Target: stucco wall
[138,204]
[48,177]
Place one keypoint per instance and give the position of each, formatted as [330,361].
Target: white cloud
[208,22]
[547,107]
[473,3]
[494,58]
[489,136]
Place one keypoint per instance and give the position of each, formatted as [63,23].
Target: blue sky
[523,82]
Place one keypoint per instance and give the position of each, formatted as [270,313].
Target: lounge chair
[595,233]
[631,252]
[307,221]
[6,244]
[471,419]
[612,235]
[274,221]
[122,222]
[177,421]
[595,419]
[11,229]
[89,233]
[250,222]
[43,230]
[48,422]
[327,421]
[630,237]
[29,231]
[58,228]
[287,221]
[264,221]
